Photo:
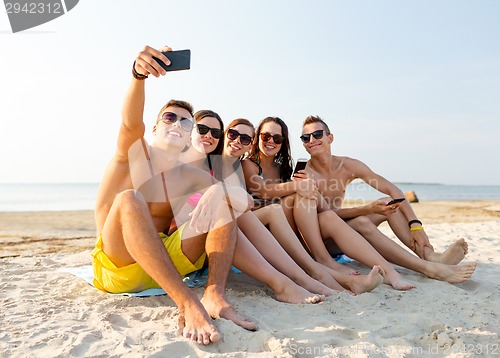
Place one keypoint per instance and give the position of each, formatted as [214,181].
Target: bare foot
[292,293]
[195,324]
[322,274]
[366,283]
[315,286]
[218,307]
[452,273]
[396,281]
[334,265]
[452,255]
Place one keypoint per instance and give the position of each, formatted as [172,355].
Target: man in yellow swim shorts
[142,188]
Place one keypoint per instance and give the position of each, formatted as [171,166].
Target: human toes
[204,338]
[245,323]
[248,325]
[186,333]
[207,334]
[315,299]
[379,269]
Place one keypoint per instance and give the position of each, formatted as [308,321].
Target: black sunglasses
[245,139]
[277,138]
[203,129]
[170,118]
[316,134]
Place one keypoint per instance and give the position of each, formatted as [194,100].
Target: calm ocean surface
[58,197]
[429,192]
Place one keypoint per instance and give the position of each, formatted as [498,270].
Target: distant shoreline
[55,197]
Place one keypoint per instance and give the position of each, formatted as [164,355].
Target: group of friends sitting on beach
[204,194]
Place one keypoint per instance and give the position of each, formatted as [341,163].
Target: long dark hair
[198,116]
[283,158]
[236,122]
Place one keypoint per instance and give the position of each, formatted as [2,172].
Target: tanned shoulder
[351,167]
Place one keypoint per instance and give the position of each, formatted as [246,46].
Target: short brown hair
[316,119]
[177,103]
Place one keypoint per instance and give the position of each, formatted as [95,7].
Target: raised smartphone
[179,60]
[301,165]
[394,201]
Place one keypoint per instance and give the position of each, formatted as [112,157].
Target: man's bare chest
[331,186]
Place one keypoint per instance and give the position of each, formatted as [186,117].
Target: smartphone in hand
[179,60]
[301,165]
[395,201]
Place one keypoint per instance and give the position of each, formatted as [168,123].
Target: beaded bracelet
[137,75]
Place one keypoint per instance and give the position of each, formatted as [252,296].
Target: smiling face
[233,147]
[320,145]
[172,135]
[269,148]
[206,143]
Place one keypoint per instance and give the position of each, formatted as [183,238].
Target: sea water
[428,192]
[47,197]
[60,197]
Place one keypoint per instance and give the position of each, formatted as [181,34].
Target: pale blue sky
[411,88]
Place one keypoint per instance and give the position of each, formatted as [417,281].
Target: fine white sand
[48,313]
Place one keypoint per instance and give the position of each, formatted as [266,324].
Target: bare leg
[287,204]
[250,261]
[306,218]
[129,235]
[274,217]
[396,254]
[220,244]
[451,256]
[354,245]
[267,245]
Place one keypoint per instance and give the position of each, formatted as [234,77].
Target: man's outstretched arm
[132,127]
[419,239]
[117,176]
[358,169]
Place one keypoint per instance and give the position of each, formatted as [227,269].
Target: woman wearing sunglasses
[205,139]
[238,140]
[237,144]
[267,174]
[288,281]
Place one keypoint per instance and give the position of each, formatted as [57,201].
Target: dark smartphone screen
[179,60]
[394,201]
[301,165]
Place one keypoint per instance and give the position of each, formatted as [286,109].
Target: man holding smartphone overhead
[142,188]
[333,174]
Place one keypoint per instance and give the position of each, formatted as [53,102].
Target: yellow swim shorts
[132,278]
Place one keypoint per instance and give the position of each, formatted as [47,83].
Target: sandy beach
[48,313]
